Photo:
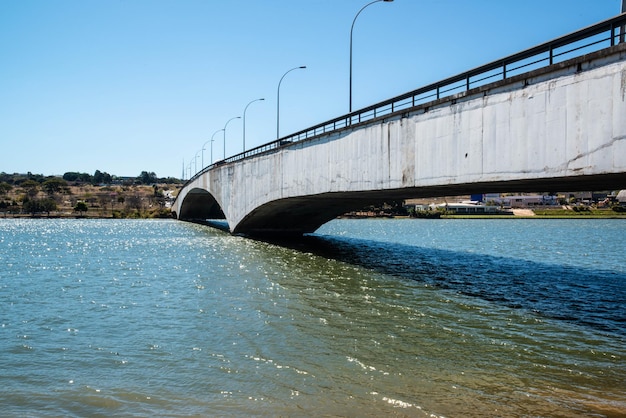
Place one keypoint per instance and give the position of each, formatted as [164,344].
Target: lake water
[415,318]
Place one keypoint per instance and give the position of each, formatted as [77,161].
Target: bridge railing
[590,39]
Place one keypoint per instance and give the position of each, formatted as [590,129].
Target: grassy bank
[551,214]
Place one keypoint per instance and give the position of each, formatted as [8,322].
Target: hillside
[54,197]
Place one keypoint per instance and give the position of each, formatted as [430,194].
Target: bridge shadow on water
[593,298]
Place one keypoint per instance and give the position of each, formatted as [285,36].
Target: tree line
[98,178]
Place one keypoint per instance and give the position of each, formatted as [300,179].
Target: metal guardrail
[590,39]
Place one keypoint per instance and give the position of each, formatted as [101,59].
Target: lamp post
[211,141]
[351,29]
[278,98]
[236,117]
[203,145]
[195,162]
[244,121]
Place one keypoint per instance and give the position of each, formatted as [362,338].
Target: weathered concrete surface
[556,129]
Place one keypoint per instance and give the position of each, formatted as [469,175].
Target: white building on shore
[467,207]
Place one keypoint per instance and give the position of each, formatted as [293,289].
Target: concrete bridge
[551,118]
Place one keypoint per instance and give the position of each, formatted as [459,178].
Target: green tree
[97,178]
[48,205]
[54,185]
[34,206]
[31,206]
[81,207]
[5,188]
[170,180]
[85,177]
[31,187]
[71,176]
[35,177]
[4,177]
[147,178]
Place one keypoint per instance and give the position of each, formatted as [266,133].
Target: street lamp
[244,122]
[278,98]
[351,29]
[203,145]
[195,162]
[236,117]
[211,141]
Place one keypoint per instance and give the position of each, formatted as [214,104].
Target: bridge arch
[199,204]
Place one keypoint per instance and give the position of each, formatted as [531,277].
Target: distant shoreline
[75,216]
[162,214]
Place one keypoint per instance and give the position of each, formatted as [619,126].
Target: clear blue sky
[126,86]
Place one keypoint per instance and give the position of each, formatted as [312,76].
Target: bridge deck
[556,127]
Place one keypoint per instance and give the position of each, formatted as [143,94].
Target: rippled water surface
[418,318]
